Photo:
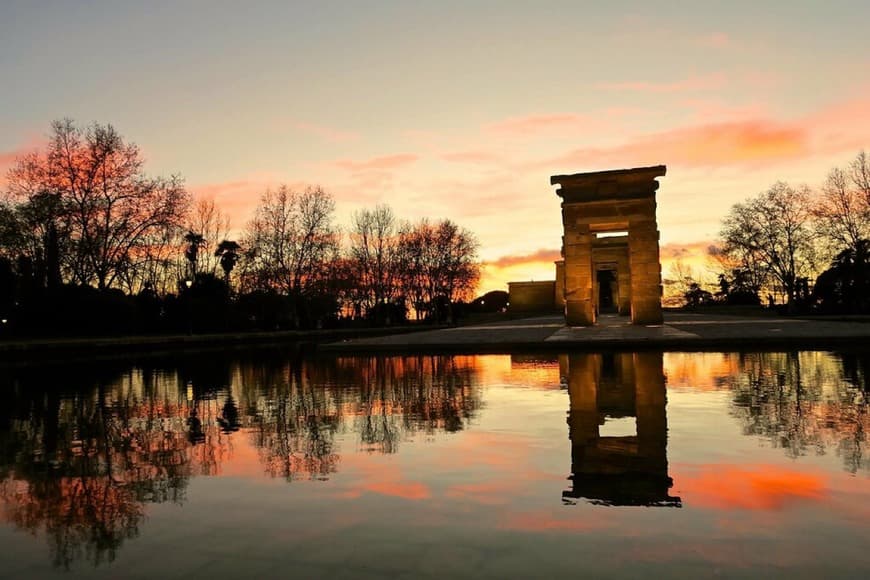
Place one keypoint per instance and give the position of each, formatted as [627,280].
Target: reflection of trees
[298,408]
[82,451]
[804,403]
[78,462]
[294,425]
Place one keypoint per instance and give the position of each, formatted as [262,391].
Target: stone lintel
[638,182]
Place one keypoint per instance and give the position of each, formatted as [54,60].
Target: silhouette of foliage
[845,286]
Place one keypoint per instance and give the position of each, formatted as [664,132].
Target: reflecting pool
[278,464]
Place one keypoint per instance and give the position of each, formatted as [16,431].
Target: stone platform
[680,331]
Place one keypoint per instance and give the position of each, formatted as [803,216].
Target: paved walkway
[682,331]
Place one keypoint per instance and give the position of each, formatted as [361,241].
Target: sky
[454,109]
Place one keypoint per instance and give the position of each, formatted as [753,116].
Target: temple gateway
[610,250]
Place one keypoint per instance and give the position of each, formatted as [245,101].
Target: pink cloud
[841,126]
[383,163]
[239,198]
[697,83]
[714,40]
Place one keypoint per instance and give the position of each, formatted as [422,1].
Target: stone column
[651,413]
[623,276]
[646,272]
[583,376]
[579,307]
[560,285]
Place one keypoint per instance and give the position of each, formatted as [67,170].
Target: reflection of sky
[487,499]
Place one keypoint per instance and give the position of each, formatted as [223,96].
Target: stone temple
[610,250]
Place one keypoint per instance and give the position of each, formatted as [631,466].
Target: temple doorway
[607,292]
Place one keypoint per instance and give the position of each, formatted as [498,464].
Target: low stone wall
[532,296]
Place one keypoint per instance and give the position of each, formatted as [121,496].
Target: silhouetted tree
[773,231]
[845,286]
[193,243]
[289,243]
[842,209]
[738,288]
[228,252]
[438,265]
[374,253]
[207,219]
[99,193]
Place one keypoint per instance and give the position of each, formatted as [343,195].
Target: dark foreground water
[276,465]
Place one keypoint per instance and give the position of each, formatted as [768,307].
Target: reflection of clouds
[750,487]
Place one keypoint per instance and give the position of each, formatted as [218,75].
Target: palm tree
[228,250]
[194,241]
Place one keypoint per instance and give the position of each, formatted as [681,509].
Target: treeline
[807,249]
[90,243]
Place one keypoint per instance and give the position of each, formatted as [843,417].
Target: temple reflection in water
[88,452]
[625,469]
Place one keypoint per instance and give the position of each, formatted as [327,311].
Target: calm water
[274,465]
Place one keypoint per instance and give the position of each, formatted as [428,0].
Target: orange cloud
[711,145]
[535,266]
[542,255]
[750,487]
[842,127]
[698,83]
[383,163]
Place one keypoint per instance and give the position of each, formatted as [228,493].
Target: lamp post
[188,284]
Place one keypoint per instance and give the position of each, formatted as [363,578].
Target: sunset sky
[457,109]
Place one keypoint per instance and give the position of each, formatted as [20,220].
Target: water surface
[274,464]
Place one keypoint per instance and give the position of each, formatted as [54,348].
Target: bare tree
[842,210]
[374,254]
[290,241]
[207,219]
[773,231]
[107,204]
[859,173]
[678,282]
[438,264]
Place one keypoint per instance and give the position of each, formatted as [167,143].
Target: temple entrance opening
[607,291]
